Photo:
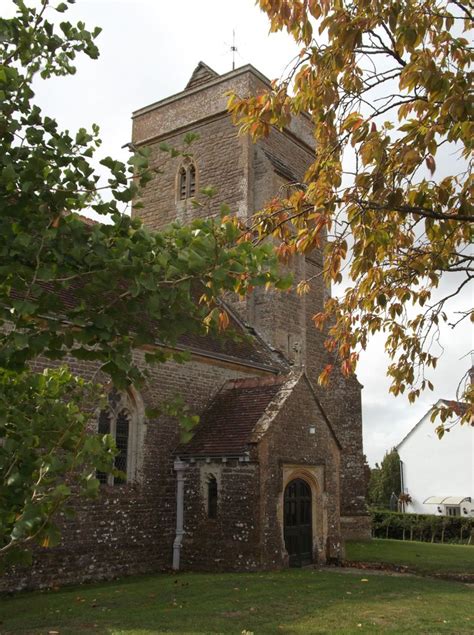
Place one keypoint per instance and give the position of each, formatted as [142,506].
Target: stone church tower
[246,176]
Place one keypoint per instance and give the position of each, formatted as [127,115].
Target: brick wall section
[356,527]
[342,401]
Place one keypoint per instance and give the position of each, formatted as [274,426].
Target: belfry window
[192,180]
[211,497]
[120,421]
[186,180]
[182,184]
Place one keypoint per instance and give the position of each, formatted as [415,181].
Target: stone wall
[299,444]
[131,527]
[247,176]
[229,542]
[356,527]
[291,441]
[220,160]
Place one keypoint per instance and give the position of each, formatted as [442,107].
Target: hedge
[428,528]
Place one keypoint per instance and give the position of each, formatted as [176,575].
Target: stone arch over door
[313,477]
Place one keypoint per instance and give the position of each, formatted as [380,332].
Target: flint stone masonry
[278,425]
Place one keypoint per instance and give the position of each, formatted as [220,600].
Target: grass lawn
[423,557]
[291,601]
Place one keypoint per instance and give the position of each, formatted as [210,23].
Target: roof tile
[226,425]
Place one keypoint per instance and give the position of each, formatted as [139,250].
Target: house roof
[239,343]
[226,426]
[458,407]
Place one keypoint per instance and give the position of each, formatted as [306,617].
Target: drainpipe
[179,467]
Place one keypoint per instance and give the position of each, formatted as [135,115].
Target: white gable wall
[437,467]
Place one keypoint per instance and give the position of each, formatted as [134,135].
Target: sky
[149,49]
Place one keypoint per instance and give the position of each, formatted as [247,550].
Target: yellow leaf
[223,320]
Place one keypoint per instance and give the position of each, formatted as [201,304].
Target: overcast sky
[149,49]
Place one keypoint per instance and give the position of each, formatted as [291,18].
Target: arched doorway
[297,523]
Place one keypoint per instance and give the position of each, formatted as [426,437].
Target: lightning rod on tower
[233,49]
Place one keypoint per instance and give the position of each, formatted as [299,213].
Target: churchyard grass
[291,601]
[422,557]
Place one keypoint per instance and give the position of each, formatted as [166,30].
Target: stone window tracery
[122,420]
[186,185]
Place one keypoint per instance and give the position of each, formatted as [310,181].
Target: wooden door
[297,523]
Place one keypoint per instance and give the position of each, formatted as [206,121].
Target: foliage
[387,86]
[384,480]
[46,452]
[422,527]
[91,291]
[316,602]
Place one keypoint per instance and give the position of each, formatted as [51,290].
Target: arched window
[182,183]
[211,497]
[192,180]
[186,184]
[122,420]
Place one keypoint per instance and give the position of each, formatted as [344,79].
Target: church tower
[246,175]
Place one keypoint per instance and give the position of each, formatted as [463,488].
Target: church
[274,473]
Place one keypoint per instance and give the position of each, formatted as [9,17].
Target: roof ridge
[253,333]
[275,405]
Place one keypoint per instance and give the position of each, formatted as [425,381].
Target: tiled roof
[226,425]
[238,344]
[459,408]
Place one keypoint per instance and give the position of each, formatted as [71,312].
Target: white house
[438,474]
